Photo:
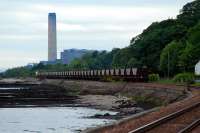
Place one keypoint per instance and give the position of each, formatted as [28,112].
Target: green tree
[169,58]
[190,14]
[122,57]
[190,55]
[77,64]
[134,63]
[19,72]
[149,45]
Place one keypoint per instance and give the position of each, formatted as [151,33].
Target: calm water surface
[8,88]
[48,120]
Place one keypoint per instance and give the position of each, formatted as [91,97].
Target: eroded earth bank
[124,97]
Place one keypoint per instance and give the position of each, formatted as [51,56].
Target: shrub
[184,78]
[153,77]
[148,102]
[197,77]
[107,79]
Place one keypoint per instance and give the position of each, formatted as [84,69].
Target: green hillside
[172,42]
[176,40]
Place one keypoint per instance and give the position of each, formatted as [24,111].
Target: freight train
[127,74]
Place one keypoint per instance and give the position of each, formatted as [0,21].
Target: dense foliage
[18,72]
[153,77]
[172,44]
[169,58]
[184,78]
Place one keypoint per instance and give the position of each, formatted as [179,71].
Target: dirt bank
[126,98]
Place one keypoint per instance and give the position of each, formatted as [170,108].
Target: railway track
[182,121]
[190,127]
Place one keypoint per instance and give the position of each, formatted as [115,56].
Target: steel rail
[164,119]
[190,127]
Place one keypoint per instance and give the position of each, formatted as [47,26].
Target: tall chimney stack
[52,37]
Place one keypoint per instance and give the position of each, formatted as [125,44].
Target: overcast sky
[82,24]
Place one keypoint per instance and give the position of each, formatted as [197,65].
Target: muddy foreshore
[123,97]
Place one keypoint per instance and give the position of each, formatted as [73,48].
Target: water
[9,88]
[48,120]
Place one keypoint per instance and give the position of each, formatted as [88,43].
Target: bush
[153,77]
[148,102]
[184,78]
[197,77]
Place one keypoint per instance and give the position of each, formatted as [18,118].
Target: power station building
[52,38]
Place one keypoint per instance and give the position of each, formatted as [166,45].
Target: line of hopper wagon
[127,74]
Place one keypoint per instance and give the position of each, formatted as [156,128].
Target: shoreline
[111,96]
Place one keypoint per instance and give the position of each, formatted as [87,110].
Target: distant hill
[69,55]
